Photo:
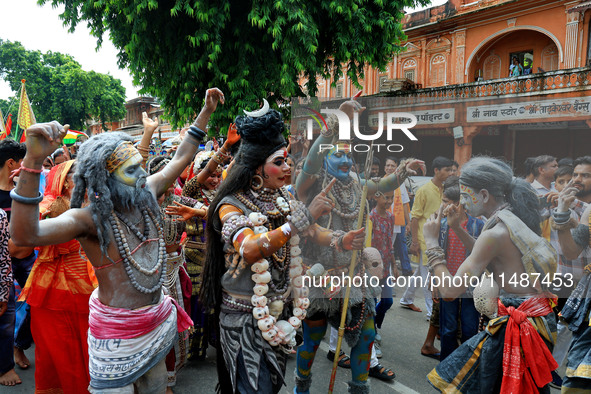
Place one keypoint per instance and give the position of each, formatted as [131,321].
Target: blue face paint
[338,162]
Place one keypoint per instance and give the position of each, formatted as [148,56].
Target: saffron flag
[25,113]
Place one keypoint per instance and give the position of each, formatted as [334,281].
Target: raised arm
[453,214]
[408,167]
[485,249]
[25,228]
[160,181]
[220,156]
[150,126]
[563,223]
[315,157]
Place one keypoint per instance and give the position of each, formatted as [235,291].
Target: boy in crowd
[456,237]
[426,203]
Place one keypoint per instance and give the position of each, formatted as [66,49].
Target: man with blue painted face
[132,323]
[320,168]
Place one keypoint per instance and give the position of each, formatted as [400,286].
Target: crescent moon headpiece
[261,112]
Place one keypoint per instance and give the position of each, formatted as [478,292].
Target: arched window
[409,67]
[492,67]
[437,70]
[550,58]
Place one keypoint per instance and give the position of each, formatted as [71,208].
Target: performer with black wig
[252,249]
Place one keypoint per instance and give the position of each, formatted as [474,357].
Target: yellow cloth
[427,202]
[546,229]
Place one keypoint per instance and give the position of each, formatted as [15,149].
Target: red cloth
[456,251]
[8,126]
[527,362]
[106,322]
[61,351]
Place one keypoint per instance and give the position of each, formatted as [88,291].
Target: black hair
[376,161]
[529,166]
[57,153]
[451,188]
[394,159]
[566,161]
[496,176]
[10,149]
[260,137]
[156,163]
[455,163]
[541,161]
[563,170]
[583,160]
[441,162]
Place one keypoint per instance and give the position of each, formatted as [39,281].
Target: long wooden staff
[354,258]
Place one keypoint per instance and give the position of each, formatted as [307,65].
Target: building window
[550,58]
[409,69]
[437,70]
[381,80]
[492,67]
[339,90]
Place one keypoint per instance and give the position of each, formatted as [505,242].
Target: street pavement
[403,333]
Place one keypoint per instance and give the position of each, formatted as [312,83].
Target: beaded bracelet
[234,224]
[223,155]
[434,263]
[435,256]
[216,158]
[26,200]
[196,132]
[299,220]
[299,215]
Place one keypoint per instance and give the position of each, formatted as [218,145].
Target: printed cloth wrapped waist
[106,322]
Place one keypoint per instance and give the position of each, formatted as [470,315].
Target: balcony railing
[534,84]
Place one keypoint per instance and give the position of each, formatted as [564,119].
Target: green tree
[176,49]
[59,88]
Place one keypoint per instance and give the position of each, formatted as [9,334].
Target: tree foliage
[176,49]
[59,88]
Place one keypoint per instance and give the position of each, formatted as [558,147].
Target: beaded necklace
[347,196]
[208,195]
[273,204]
[173,228]
[127,255]
[270,202]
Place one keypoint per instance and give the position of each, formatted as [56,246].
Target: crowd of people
[134,260]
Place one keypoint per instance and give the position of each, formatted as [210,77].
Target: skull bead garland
[280,332]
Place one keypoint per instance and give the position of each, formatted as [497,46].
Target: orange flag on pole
[25,113]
